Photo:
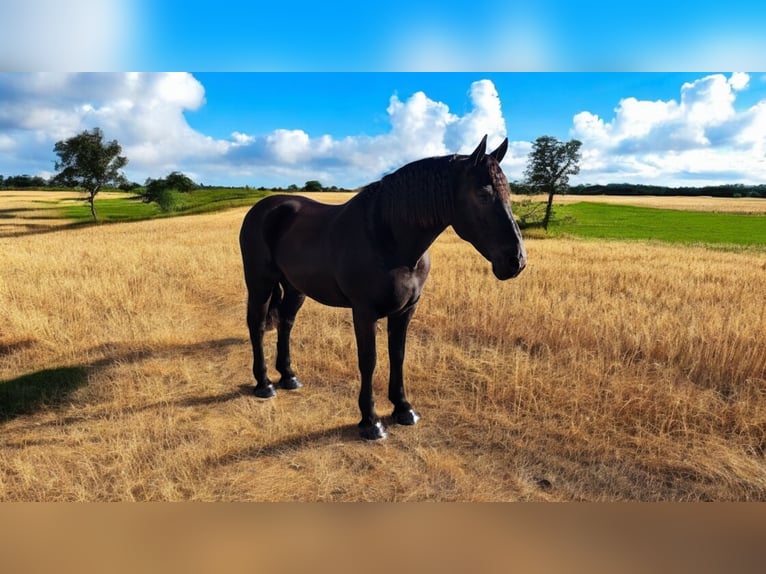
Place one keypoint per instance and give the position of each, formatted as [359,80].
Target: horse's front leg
[370,427]
[403,414]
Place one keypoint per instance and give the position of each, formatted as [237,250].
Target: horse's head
[483,215]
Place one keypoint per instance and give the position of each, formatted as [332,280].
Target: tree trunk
[548,209]
[91,199]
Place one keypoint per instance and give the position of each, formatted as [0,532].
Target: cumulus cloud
[700,136]
[146,114]
[420,127]
[486,117]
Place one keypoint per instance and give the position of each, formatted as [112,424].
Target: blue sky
[346,104]
[346,91]
[398,35]
[347,129]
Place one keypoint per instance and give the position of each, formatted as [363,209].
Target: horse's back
[272,215]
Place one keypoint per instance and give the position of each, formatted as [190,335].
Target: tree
[312,185]
[551,162]
[86,161]
[180,182]
[155,189]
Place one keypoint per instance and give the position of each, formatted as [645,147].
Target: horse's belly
[330,299]
[326,296]
[316,284]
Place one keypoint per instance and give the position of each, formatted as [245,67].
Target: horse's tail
[272,316]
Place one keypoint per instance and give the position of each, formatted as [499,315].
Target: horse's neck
[412,243]
[405,226]
[402,244]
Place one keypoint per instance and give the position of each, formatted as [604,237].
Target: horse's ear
[478,153]
[499,153]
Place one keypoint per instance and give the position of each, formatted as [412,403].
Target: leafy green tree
[86,161]
[180,182]
[312,185]
[551,162]
[165,191]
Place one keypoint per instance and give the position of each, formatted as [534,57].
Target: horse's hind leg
[292,301]
[259,295]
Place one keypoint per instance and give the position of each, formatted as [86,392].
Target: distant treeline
[23,182]
[727,190]
[38,182]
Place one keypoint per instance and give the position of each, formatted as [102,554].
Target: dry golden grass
[30,211]
[606,371]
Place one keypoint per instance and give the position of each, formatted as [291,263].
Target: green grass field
[111,209]
[582,219]
[134,209]
[602,221]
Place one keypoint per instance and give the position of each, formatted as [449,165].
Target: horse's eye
[486,194]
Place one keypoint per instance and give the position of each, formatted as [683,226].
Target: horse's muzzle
[508,267]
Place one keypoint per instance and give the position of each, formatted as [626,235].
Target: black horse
[370,254]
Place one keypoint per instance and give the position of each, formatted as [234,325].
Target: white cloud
[485,118]
[241,138]
[6,143]
[700,137]
[145,113]
[420,124]
[739,81]
[288,146]
[420,127]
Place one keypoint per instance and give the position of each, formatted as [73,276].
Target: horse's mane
[418,194]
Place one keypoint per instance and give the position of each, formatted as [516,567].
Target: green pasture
[110,209]
[134,209]
[584,219]
[603,221]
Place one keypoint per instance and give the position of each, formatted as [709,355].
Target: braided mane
[418,194]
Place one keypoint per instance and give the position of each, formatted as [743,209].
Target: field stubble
[606,371]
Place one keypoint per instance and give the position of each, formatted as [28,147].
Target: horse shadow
[333,435]
[50,388]
[42,389]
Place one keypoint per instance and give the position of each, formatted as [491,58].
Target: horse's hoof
[374,431]
[405,417]
[265,391]
[290,383]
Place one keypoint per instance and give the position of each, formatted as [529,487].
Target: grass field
[699,203]
[35,211]
[609,370]
[606,221]
[124,207]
